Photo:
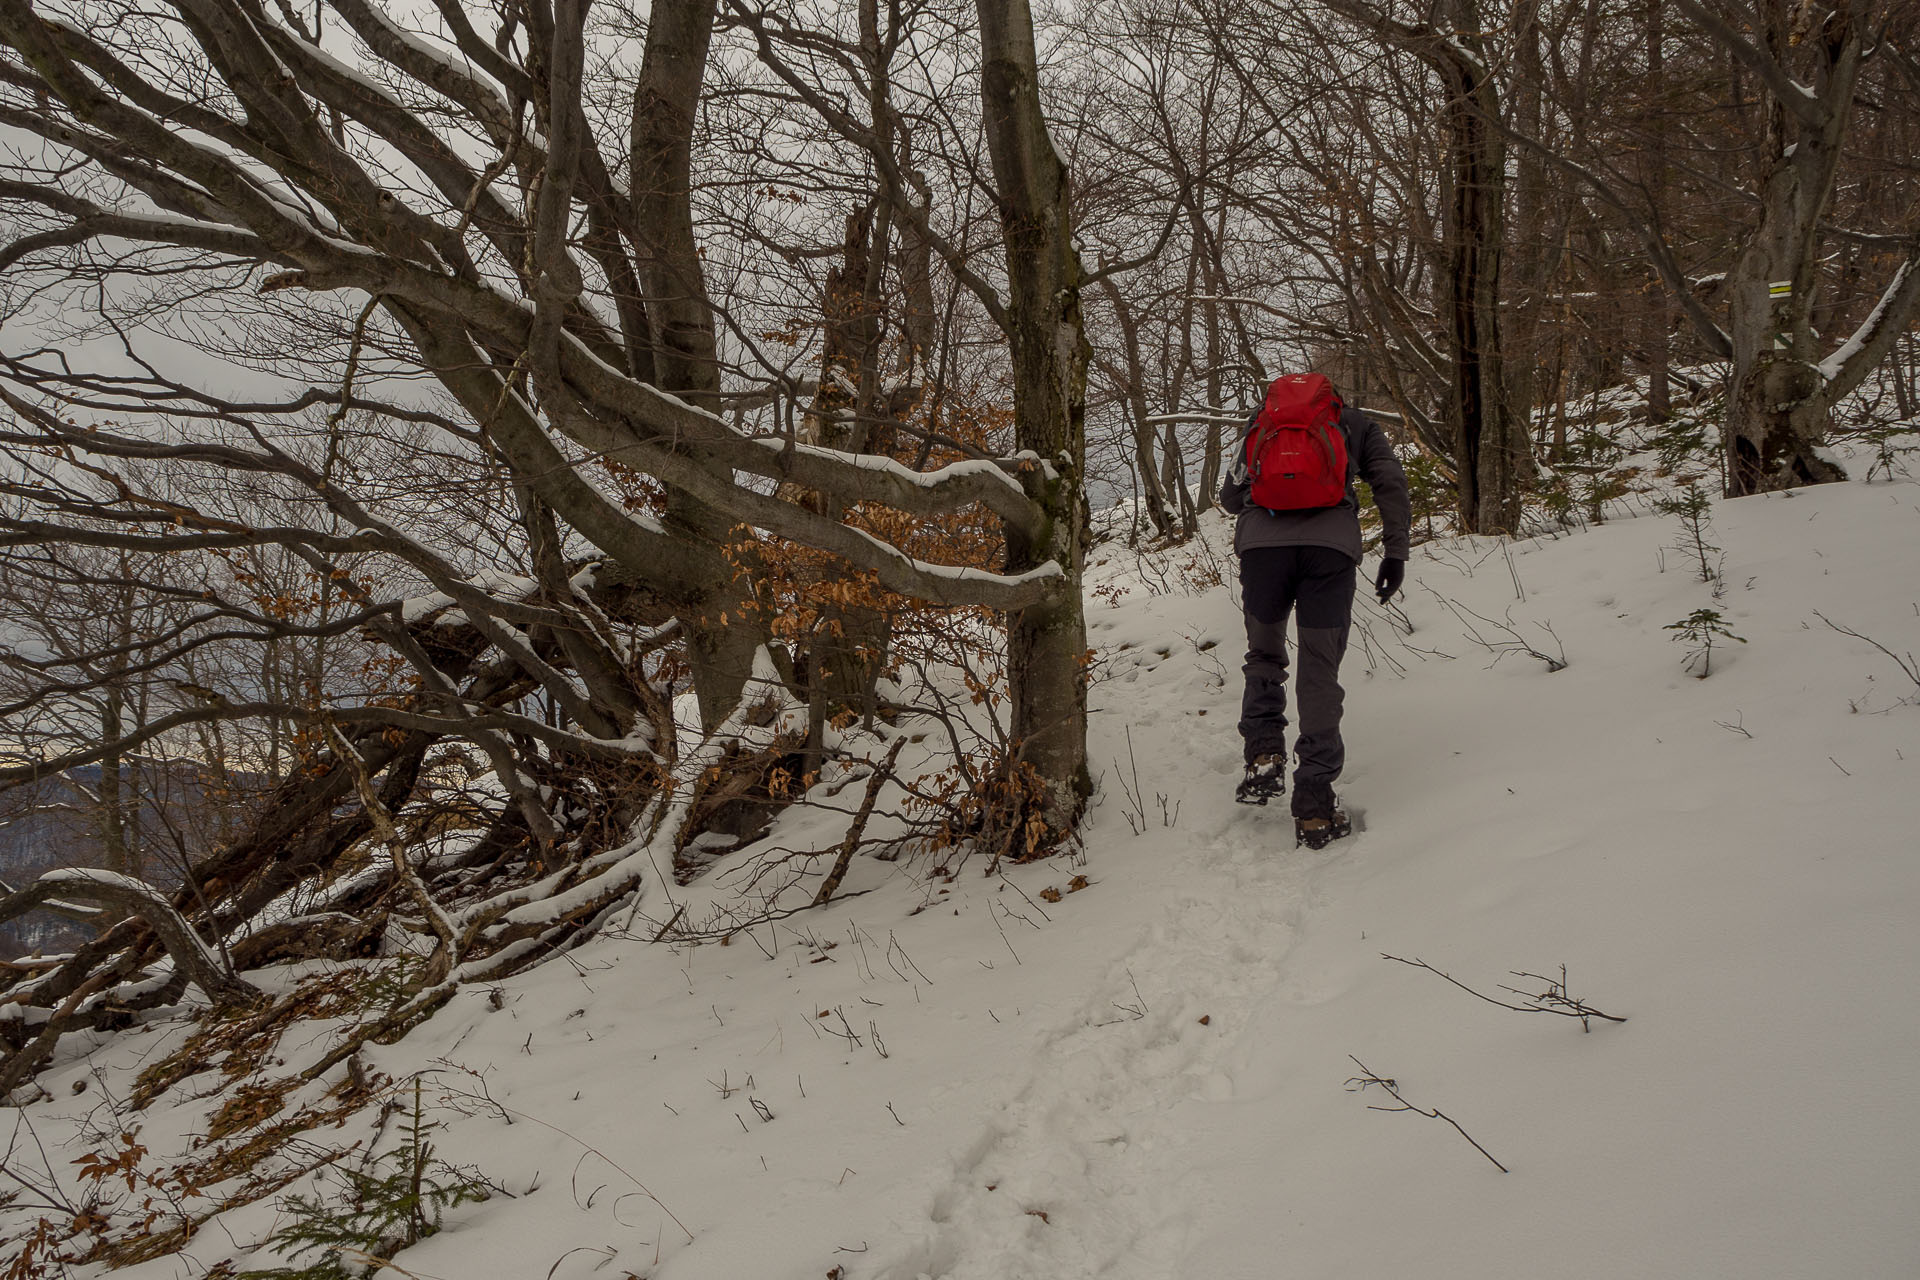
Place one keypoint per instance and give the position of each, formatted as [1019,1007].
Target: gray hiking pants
[1316,583]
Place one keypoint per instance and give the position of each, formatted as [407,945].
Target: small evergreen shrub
[1701,629]
[1695,511]
[379,1211]
[1592,464]
[1429,491]
[1681,445]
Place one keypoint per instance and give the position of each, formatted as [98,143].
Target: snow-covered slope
[1150,1078]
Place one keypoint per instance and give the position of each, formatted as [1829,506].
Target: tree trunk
[1491,449]
[1776,414]
[913,263]
[847,649]
[1047,643]
[1903,399]
[1776,418]
[727,625]
[1133,393]
[1532,259]
[1213,455]
[120,787]
[1492,456]
[113,832]
[1777,411]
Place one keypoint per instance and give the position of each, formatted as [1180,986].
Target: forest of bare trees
[500,449]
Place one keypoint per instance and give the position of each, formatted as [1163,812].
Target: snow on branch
[1854,358]
[854,477]
[522,924]
[1227,417]
[138,898]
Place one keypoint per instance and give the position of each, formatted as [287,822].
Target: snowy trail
[1068,1179]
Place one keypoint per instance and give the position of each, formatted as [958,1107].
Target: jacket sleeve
[1236,485]
[1380,467]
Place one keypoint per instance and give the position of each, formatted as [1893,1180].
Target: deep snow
[1150,1078]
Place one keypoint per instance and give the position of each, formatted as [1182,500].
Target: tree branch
[1799,101]
[135,897]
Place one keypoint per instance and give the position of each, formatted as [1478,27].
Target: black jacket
[1370,457]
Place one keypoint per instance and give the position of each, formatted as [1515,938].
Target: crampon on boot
[1266,778]
[1318,833]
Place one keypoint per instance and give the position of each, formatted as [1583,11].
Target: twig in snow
[462,1101]
[606,1251]
[1135,810]
[1738,726]
[1003,936]
[728,1089]
[590,1149]
[1453,559]
[1506,638]
[1553,1000]
[860,945]
[1909,667]
[46,1191]
[1373,652]
[1135,1011]
[893,945]
[1030,902]
[846,1031]
[1358,1083]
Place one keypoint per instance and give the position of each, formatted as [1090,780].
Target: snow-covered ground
[1155,1077]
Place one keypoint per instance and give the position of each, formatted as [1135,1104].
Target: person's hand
[1392,574]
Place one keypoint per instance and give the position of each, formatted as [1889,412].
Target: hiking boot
[1266,778]
[1318,833]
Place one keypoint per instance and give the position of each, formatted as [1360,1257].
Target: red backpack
[1296,452]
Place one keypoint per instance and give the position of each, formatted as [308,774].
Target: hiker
[1298,539]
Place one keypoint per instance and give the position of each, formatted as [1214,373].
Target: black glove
[1392,574]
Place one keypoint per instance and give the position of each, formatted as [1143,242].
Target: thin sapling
[1701,629]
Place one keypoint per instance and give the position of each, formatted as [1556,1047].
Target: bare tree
[1492,454]
[1049,348]
[1784,391]
[1795,75]
[422,233]
[1039,318]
